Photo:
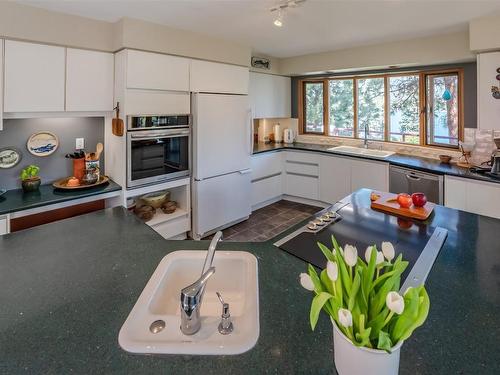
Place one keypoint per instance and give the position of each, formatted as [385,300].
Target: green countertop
[67,288]
[17,200]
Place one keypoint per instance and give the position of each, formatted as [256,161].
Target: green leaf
[354,290]
[327,252]
[388,285]
[343,273]
[315,279]
[327,282]
[368,274]
[316,306]
[363,336]
[384,341]
[417,306]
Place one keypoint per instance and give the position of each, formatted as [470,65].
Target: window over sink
[415,107]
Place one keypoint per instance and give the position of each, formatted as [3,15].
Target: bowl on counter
[156,199]
[145,213]
[445,159]
[169,207]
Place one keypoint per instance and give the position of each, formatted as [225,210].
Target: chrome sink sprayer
[192,295]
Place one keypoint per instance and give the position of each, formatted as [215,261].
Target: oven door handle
[160,135]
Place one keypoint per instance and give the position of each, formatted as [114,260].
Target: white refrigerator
[222,146]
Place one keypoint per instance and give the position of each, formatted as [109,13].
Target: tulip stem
[350,272]
[389,317]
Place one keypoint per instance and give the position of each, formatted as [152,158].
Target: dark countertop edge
[109,188]
[407,161]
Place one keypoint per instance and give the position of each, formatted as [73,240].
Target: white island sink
[235,278]
[379,154]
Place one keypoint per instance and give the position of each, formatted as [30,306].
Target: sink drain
[157,326]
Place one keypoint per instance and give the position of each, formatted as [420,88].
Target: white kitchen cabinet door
[478,197]
[34,77]
[213,77]
[334,178]
[270,95]
[155,71]
[455,190]
[483,198]
[157,102]
[488,108]
[302,186]
[266,189]
[370,175]
[4,225]
[89,80]
[1,84]
[266,164]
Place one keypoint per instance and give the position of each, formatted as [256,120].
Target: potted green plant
[30,180]
[371,320]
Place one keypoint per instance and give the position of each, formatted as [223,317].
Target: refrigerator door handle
[250,121]
[245,171]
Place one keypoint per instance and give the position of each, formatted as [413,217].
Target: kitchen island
[67,288]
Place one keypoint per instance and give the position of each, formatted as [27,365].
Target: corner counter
[67,288]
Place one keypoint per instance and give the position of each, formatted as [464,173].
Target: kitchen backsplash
[17,131]
[483,140]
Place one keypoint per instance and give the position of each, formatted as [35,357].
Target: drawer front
[302,186]
[266,189]
[3,226]
[302,168]
[302,157]
[265,165]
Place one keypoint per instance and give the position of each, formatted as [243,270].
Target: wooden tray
[62,184]
[386,204]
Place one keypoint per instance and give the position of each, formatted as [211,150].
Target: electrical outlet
[80,143]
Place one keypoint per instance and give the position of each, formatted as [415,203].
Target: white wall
[484,33]
[33,24]
[422,51]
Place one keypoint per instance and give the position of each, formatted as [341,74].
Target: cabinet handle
[414,178]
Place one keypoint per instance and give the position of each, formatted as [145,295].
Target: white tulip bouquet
[362,298]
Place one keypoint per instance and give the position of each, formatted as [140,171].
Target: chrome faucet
[192,295]
[366,142]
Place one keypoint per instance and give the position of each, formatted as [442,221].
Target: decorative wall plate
[9,157]
[43,143]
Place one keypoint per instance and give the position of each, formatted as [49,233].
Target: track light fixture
[280,9]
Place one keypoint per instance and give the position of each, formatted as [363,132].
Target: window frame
[355,77]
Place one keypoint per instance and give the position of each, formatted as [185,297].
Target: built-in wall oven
[158,148]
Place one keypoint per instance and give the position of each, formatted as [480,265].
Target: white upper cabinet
[155,71]
[34,77]
[218,78]
[89,80]
[270,95]
[1,84]
[488,108]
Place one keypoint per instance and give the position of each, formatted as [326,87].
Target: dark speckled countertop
[17,200]
[408,161]
[67,288]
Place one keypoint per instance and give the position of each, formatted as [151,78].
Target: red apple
[404,200]
[419,199]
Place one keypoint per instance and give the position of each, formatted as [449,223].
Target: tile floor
[269,221]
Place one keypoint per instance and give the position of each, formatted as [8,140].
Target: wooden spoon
[98,152]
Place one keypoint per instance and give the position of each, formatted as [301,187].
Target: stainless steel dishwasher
[406,180]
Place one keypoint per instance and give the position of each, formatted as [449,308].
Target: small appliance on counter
[288,136]
[278,133]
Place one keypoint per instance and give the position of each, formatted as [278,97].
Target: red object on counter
[419,199]
[78,168]
[404,200]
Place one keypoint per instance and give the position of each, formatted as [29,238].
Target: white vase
[354,360]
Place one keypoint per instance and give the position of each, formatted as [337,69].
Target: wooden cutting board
[387,203]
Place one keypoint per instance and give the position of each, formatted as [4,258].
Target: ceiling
[314,26]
